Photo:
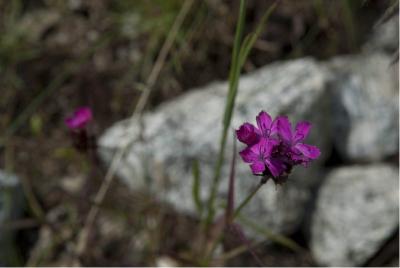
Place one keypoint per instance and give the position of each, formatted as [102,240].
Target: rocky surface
[189,128]
[10,209]
[357,210]
[365,106]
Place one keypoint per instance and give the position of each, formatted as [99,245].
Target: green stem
[249,197]
[234,74]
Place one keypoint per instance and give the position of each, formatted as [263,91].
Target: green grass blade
[240,53]
[196,187]
[244,51]
[237,41]
[233,81]
[231,187]
[249,41]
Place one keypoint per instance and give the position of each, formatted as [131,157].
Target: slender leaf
[239,55]
[231,188]
[196,187]
[233,78]
[249,41]
[237,41]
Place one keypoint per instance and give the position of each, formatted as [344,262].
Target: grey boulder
[189,128]
[365,106]
[357,210]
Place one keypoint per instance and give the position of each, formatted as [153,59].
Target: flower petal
[284,129]
[276,167]
[264,121]
[80,118]
[248,155]
[247,134]
[299,159]
[274,126]
[257,167]
[267,146]
[302,130]
[309,151]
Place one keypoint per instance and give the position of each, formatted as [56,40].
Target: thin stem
[234,74]
[249,197]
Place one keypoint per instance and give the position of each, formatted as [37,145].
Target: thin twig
[118,156]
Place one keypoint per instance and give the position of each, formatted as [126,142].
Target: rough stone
[365,106]
[10,209]
[189,128]
[357,210]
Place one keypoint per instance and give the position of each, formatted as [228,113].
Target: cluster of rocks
[352,102]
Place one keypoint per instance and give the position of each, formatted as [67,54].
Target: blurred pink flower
[81,117]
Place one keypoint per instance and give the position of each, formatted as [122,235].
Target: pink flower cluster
[273,148]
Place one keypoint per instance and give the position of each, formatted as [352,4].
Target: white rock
[357,210]
[365,106]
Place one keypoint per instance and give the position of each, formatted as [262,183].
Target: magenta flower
[249,134]
[300,152]
[273,148]
[260,156]
[266,127]
[81,117]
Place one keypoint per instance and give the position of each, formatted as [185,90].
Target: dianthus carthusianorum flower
[273,148]
[249,134]
[298,151]
[260,156]
[81,135]
[81,117]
